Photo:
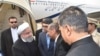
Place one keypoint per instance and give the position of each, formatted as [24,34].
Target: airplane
[52,8]
[34,10]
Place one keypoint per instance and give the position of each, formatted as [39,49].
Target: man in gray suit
[74,29]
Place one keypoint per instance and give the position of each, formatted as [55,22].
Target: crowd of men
[72,35]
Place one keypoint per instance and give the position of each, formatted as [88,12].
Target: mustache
[29,39]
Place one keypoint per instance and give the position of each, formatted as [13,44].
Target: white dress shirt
[14,34]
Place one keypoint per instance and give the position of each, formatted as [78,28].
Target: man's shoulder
[40,30]
[18,43]
[97,34]
[6,30]
[84,51]
[42,33]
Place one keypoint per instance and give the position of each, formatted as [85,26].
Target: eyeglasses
[13,22]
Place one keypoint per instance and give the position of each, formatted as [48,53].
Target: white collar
[14,28]
[57,38]
[84,36]
[94,32]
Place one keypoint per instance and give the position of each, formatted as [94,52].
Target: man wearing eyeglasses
[9,36]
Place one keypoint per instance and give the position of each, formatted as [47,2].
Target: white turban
[22,27]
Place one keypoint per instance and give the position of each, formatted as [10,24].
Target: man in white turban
[25,32]
[25,45]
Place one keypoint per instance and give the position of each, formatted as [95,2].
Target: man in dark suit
[74,29]
[44,39]
[9,36]
[37,34]
[61,48]
[26,44]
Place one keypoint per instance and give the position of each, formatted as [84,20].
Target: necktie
[51,48]
[51,45]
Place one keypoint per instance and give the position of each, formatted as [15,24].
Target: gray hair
[75,17]
[54,26]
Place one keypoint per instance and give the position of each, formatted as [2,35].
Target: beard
[29,39]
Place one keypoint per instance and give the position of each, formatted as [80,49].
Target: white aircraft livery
[52,8]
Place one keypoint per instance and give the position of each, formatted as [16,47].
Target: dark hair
[47,20]
[75,17]
[12,17]
[93,24]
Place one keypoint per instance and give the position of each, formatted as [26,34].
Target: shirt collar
[57,38]
[83,37]
[13,28]
[94,32]
[87,39]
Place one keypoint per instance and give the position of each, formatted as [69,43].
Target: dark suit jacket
[6,42]
[43,44]
[21,48]
[37,34]
[61,47]
[84,47]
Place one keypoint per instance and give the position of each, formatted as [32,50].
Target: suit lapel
[58,41]
[10,36]
[44,40]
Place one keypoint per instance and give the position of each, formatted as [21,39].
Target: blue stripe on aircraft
[51,17]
